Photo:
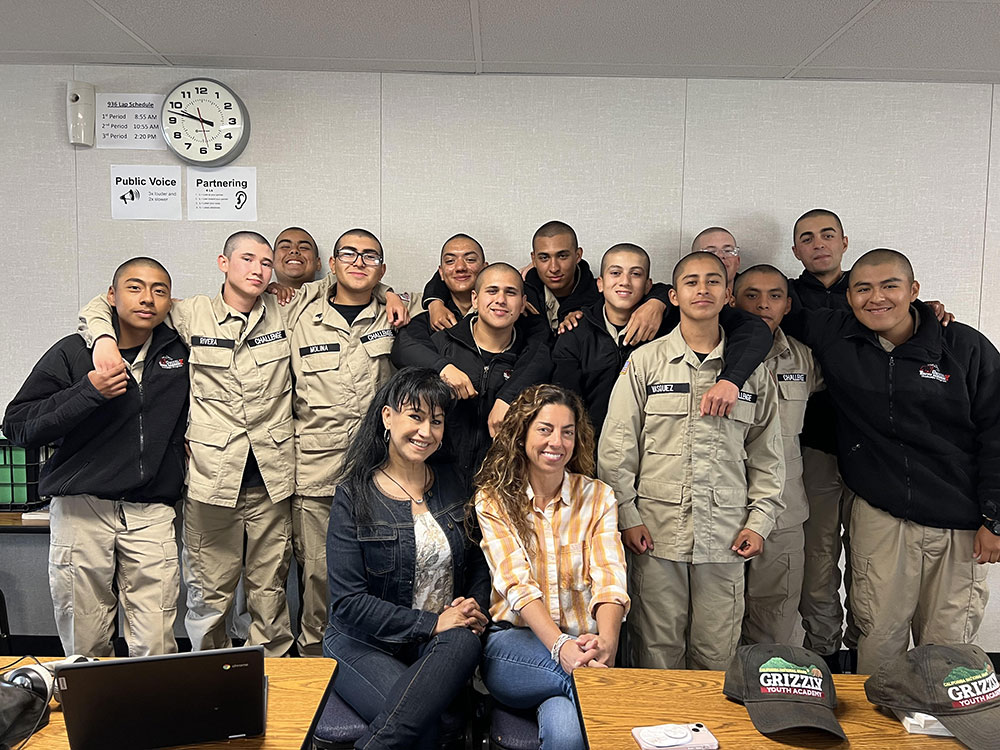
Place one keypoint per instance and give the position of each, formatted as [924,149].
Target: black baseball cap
[783,687]
[955,684]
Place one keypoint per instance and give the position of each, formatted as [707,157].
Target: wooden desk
[295,687]
[612,701]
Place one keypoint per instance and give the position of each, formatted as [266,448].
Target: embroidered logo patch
[169,363]
[970,687]
[791,377]
[778,676]
[653,388]
[625,367]
[507,374]
[933,372]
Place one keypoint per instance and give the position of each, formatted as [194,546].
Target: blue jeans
[519,672]
[402,697]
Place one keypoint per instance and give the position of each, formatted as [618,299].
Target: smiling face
[357,276]
[461,262]
[248,267]
[499,299]
[700,287]
[880,295]
[555,259]
[550,440]
[624,280]
[765,295]
[820,244]
[415,431]
[296,259]
[141,297]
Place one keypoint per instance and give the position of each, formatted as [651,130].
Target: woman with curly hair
[550,534]
[408,588]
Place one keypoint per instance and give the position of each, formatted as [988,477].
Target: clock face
[205,123]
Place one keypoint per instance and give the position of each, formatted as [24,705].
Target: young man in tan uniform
[341,337]
[774,578]
[242,464]
[705,490]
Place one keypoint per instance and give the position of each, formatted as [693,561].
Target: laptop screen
[158,701]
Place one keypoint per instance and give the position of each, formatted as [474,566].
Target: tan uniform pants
[829,512]
[96,543]
[213,561]
[684,615]
[914,579]
[310,519]
[774,584]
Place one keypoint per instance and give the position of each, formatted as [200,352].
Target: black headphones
[40,678]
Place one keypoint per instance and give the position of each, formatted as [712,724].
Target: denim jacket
[371,566]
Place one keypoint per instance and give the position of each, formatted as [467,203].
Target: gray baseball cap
[783,687]
[956,684]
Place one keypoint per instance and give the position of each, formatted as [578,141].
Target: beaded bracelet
[557,646]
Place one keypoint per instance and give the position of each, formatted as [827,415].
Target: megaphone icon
[131,195]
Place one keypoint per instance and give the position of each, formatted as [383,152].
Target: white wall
[419,157]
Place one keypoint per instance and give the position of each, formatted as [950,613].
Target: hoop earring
[385,436]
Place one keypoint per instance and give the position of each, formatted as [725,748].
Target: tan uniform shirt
[694,481]
[338,367]
[241,393]
[798,376]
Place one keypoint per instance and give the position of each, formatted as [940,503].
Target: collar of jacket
[675,348]
[222,309]
[534,281]
[924,345]
[462,333]
[806,278]
[162,334]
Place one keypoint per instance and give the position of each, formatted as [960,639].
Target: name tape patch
[212,341]
[385,333]
[749,398]
[267,338]
[791,377]
[305,351]
[653,388]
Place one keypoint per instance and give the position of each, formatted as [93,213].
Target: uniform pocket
[860,594]
[320,378]
[792,400]
[729,514]
[210,373]
[665,416]
[208,448]
[731,435]
[272,361]
[170,583]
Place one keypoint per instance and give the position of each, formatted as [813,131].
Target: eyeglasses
[731,250]
[350,257]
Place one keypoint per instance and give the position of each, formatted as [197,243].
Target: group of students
[447,516]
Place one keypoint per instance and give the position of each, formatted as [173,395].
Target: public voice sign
[145,192]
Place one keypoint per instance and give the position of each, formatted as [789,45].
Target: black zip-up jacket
[587,359]
[819,427]
[127,448]
[528,361]
[583,294]
[918,428]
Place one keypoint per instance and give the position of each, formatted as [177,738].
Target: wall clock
[205,123]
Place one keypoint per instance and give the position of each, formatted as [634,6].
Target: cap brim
[777,716]
[978,731]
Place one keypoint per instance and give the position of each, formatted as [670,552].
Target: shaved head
[498,269]
[883,255]
[140,261]
[679,268]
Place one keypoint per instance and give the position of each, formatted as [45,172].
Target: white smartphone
[688,736]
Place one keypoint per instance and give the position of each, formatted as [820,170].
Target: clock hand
[182,113]
[202,125]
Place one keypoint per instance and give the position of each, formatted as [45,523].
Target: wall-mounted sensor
[80,113]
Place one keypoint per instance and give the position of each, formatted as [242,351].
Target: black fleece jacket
[127,448]
[504,375]
[918,428]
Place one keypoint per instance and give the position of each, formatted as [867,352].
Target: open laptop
[158,701]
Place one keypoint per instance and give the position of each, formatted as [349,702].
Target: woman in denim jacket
[408,588]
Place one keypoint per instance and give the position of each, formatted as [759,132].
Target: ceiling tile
[665,32]
[64,26]
[901,35]
[346,65]
[373,30]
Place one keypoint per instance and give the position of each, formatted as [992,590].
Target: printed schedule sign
[128,121]
[222,194]
[145,192]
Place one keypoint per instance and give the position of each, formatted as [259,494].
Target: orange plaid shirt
[577,562]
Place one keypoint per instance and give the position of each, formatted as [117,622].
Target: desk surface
[13,522]
[612,701]
[294,690]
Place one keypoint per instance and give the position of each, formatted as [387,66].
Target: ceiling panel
[344,65]
[62,26]
[901,35]
[666,32]
[373,30]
